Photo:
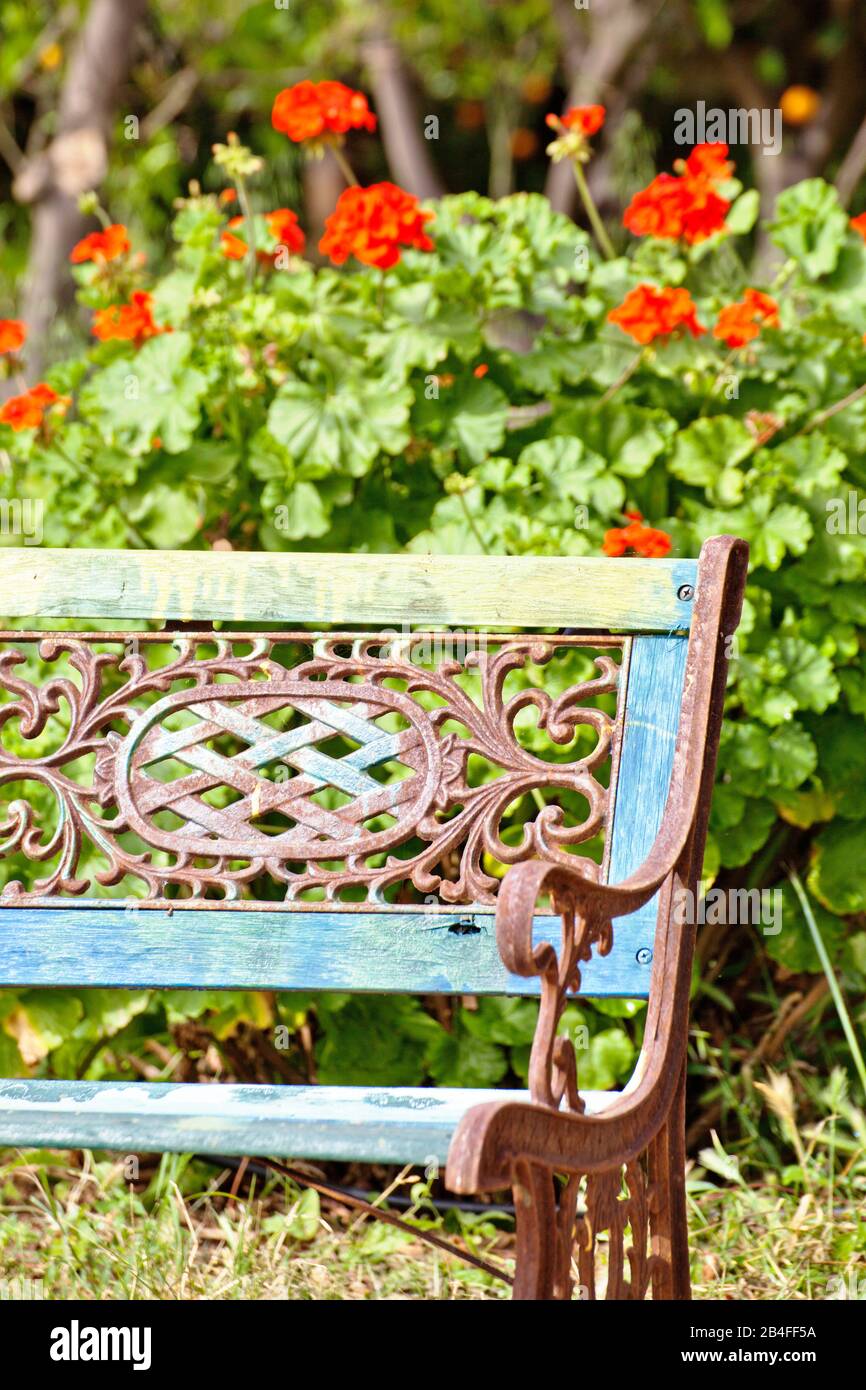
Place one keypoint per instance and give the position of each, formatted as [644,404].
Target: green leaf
[743,212]
[156,394]
[477,412]
[811,226]
[573,474]
[786,528]
[793,946]
[299,512]
[838,874]
[373,1041]
[607,1061]
[165,515]
[41,1020]
[461,1058]
[707,448]
[629,437]
[340,425]
[806,464]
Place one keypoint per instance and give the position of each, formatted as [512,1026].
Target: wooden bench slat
[364,1123]
[592,593]
[652,715]
[380,952]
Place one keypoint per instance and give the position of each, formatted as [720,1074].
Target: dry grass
[83,1232]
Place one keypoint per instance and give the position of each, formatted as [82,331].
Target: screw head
[644,955]
[685,592]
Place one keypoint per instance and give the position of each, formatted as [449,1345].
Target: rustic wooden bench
[304,809]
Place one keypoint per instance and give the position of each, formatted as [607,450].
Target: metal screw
[644,956]
[685,592]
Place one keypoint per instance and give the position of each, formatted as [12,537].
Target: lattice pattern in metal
[292,767]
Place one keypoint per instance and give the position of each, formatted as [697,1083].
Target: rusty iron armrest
[552,1130]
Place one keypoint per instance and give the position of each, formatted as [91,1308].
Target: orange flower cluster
[232,247]
[320,111]
[647,313]
[740,323]
[283,227]
[372,224]
[684,206]
[132,322]
[12,335]
[859,224]
[636,539]
[102,246]
[587,120]
[26,412]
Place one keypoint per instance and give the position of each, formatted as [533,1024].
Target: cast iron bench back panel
[306,810]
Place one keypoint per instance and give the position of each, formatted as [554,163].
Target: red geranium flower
[283,227]
[647,313]
[102,246]
[12,335]
[26,412]
[859,224]
[318,110]
[685,206]
[588,120]
[372,224]
[740,323]
[132,322]
[636,539]
[708,162]
[231,246]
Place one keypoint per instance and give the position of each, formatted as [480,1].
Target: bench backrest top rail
[590,594]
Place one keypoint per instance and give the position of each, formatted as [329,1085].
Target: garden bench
[304,811]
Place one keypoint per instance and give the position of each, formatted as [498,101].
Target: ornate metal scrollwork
[618,1203]
[209,772]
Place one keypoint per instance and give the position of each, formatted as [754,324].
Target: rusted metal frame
[319,686]
[499,1144]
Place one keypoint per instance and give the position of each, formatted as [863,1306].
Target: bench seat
[384,1124]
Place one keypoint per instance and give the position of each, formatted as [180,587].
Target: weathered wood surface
[384,952]
[496,590]
[652,716]
[370,1124]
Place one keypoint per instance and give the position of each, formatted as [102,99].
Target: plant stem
[833,983]
[471,522]
[595,221]
[345,166]
[249,227]
[824,415]
[621,380]
[720,378]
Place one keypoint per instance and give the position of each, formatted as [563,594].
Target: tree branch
[75,162]
[407,151]
[592,61]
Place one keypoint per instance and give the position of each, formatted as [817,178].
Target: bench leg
[535,1205]
[668,1221]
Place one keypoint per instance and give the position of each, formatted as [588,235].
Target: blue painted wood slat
[652,716]
[380,952]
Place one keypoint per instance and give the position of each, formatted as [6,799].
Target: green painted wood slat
[498,590]
[363,1123]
